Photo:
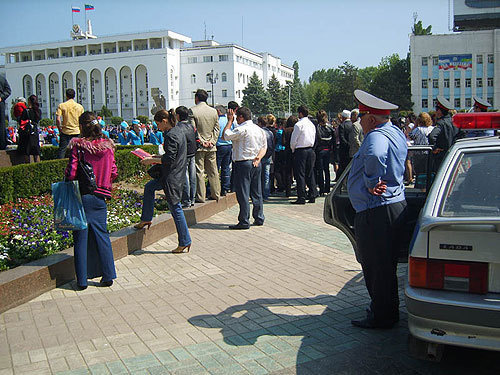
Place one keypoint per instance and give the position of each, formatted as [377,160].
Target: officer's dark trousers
[247,184]
[377,233]
[93,252]
[303,170]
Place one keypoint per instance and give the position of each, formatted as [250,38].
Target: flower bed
[26,225]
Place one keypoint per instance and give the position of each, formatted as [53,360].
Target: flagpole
[72,17]
[86,27]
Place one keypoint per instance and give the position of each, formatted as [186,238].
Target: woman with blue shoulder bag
[92,246]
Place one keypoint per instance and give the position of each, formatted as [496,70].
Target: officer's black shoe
[298,201]
[239,226]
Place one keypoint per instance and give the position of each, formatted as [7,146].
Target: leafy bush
[143,119]
[115,120]
[26,180]
[46,122]
[50,152]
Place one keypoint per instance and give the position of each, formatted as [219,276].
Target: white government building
[135,74]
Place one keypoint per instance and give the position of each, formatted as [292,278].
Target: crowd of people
[30,136]
[208,152]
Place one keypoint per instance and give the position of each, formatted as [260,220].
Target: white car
[453,290]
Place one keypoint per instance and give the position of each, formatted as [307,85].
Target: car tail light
[469,277]
[481,120]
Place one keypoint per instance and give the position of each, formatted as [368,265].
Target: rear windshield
[474,189]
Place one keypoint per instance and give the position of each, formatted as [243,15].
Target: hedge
[50,152]
[27,180]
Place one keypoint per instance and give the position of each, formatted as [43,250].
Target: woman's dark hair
[35,106]
[163,114]
[322,117]
[291,121]
[91,129]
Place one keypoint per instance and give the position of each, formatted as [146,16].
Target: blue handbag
[68,206]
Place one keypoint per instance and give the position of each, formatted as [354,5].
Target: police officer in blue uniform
[376,191]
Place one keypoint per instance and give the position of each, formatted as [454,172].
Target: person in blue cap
[156,136]
[55,138]
[376,191]
[135,135]
[103,126]
[123,134]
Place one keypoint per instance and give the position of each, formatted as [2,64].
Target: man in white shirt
[249,147]
[302,144]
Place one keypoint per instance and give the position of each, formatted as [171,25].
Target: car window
[416,166]
[474,187]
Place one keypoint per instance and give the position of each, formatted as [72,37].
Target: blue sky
[316,33]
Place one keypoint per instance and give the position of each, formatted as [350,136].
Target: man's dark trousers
[303,170]
[247,183]
[377,232]
[224,153]
[63,144]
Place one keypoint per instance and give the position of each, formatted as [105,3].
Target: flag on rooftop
[75,9]
[89,7]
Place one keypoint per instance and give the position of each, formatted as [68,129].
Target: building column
[118,90]
[47,96]
[103,88]
[133,93]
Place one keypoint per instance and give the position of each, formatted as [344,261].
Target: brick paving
[276,299]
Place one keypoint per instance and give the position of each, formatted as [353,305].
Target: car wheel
[424,350]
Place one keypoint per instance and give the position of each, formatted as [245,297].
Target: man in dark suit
[4,94]
[345,128]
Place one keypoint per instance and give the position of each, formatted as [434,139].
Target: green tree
[105,112]
[143,119]
[418,29]
[276,98]
[317,95]
[346,80]
[255,96]
[297,95]
[391,81]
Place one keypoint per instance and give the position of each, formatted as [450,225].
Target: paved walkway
[273,299]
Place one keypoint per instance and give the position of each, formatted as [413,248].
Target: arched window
[224,77]
[193,78]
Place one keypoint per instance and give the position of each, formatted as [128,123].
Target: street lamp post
[213,80]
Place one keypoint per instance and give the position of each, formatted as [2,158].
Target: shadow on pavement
[314,336]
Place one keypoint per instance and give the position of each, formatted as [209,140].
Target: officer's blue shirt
[156,138]
[381,156]
[222,125]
